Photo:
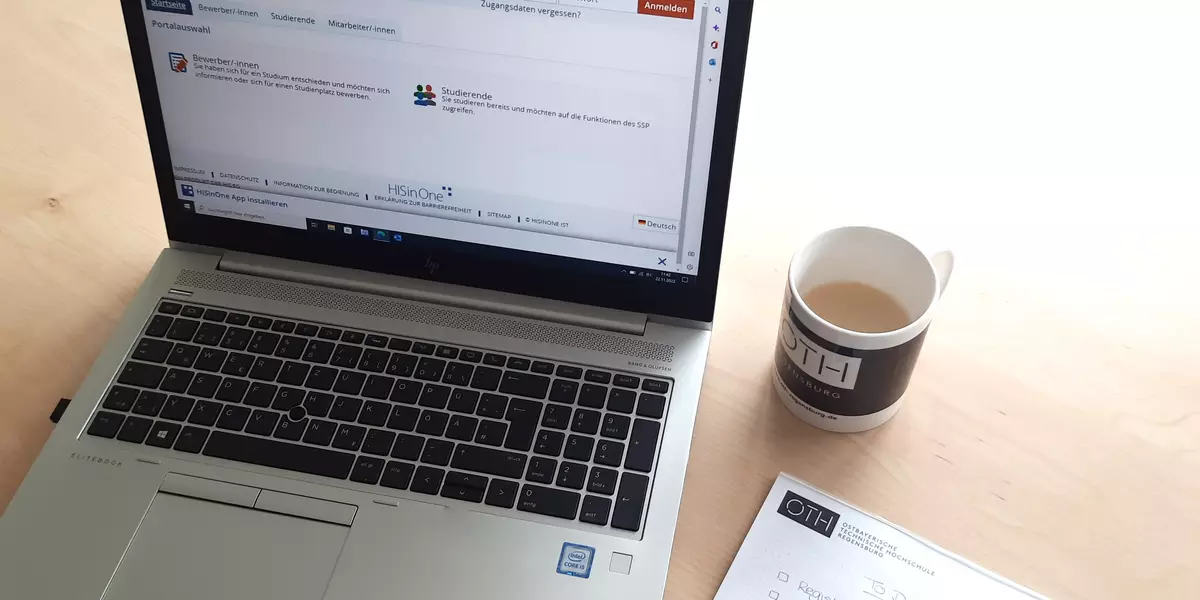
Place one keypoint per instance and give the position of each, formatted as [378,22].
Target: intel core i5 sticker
[576,560]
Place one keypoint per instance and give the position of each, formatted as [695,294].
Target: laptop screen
[579,128]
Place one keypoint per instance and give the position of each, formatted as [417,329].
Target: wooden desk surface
[1052,430]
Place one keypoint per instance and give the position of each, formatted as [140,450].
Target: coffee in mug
[856,309]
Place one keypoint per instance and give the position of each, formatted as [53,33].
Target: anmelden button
[679,9]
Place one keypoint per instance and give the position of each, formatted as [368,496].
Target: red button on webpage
[680,9]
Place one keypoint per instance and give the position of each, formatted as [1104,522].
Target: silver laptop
[434,314]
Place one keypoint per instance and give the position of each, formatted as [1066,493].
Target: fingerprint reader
[620,563]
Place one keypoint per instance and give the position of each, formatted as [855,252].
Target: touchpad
[190,549]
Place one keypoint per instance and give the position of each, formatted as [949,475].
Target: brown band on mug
[844,381]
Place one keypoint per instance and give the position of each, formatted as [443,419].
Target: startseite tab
[179,7]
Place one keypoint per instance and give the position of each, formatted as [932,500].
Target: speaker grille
[428,315]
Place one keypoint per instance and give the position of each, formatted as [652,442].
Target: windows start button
[680,9]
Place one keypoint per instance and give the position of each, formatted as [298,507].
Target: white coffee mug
[848,381]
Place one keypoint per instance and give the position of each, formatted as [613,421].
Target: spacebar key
[269,453]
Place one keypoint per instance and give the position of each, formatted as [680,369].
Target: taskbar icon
[348,229]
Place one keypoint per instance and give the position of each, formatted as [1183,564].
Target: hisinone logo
[419,193]
[179,7]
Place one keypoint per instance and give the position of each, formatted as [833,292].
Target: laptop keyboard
[512,432]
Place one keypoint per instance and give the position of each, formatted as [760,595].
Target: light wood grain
[1052,430]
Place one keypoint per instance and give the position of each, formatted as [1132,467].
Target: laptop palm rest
[190,549]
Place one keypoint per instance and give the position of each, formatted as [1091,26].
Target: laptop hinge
[445,294]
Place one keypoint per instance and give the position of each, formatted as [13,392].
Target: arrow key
[428,480]
[462,486]
[502,493]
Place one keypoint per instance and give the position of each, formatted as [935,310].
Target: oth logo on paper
[827,367]
[809,514]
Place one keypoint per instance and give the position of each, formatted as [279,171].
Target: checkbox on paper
[783,576]
[773,595]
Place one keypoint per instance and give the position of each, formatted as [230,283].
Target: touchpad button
[188,549]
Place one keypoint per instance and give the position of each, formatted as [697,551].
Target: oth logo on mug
[832,376]
[825,366]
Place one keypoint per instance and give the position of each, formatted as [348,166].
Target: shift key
[523,418]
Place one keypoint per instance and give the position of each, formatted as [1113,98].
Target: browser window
[579,128]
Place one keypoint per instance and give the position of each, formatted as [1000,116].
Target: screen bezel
[464,263]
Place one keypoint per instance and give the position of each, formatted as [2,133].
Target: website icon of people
[425,96]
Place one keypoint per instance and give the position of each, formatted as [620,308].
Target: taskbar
[365,234]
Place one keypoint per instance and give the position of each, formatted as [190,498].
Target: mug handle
[943,266]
